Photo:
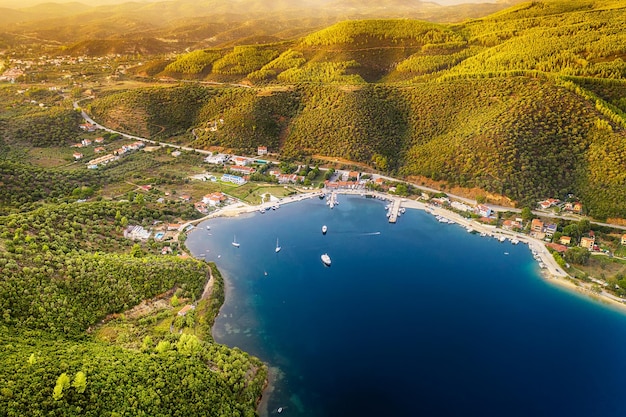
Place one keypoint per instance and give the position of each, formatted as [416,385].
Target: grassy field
[603,267]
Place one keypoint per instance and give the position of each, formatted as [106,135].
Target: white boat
[208,227]
[324,229]
[326,259]
[277,247]
[262,211]
[502,238]
[234,243]
[514,241]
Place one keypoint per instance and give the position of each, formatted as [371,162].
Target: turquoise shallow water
[413,319]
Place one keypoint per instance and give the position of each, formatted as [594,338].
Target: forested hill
[529,102]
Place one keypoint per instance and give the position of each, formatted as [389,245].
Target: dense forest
[67,267]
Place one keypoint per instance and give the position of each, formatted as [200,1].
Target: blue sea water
[416,318]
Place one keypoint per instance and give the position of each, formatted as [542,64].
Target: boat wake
[370,234]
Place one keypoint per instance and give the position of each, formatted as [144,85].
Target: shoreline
[552,272]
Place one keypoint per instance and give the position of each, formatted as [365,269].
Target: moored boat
[235,243]
[324,229]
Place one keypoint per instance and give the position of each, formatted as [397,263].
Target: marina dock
[394,210]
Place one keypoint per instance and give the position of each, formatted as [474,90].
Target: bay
[414,318]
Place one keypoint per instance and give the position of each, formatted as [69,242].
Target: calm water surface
[413,319]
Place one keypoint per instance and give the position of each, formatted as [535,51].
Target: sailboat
[277,247]
[235,244]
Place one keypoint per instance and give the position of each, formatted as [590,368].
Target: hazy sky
[451,2]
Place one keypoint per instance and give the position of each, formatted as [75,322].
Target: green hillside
[528,102]
[67,267]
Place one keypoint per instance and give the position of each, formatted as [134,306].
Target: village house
[587,242]
[99,140]
[240,160]
[353,175]
[550,202]
[219,158]
[460,206]
[86,142]
[483,210]
[173,227]
[536,226]
[233,178]
[289,178]
[573,207]
[624,240]
[262,150]
[88,127]
[557,247]
[550,229]
[565,240]
[77,155]
[511,225]
[136,233]
[99,149]
[214,199]
[201,207]
[345,185]
[176,154]
[166,250]
[242,169]
[185,197]
[183,311]
[105,159]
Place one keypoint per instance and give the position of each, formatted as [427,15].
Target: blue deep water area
[417,318]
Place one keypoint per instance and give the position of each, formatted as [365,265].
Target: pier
[332,200]
[394,210]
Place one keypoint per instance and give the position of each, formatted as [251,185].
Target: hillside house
[77,155]
[261,150]
[183,311]
[99,149]
[219,158]
[588,242]
[565,240]
[573,207]
[185,197]
[88,127]
[623,240]
[550,202]
[99,140]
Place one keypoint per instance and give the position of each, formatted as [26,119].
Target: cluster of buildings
[105,159]
[572,207]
